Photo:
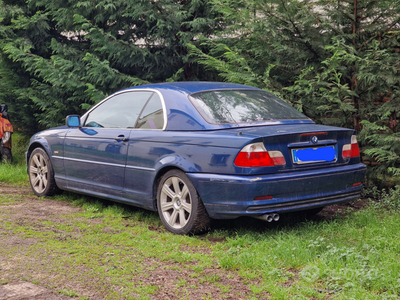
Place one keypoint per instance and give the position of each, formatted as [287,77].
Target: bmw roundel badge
[314,139]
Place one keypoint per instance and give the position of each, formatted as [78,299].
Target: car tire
[41,173]
[179,205]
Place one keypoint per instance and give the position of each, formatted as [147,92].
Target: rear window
[242,106]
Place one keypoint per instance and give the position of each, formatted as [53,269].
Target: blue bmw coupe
[196,151]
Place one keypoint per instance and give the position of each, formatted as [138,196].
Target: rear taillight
[351,150]
[255,155]
[277,158]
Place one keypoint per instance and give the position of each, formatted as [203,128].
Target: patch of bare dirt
[28,291]
[342,209]
[175,281]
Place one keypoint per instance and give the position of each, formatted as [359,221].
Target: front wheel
[41,173]
[179,206]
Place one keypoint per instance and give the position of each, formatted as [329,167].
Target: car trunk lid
[309,148]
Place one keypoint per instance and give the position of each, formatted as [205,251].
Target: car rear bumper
[227,196]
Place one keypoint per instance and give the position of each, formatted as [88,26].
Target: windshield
[242,106]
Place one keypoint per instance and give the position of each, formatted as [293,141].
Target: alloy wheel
[176,202]
[38,172]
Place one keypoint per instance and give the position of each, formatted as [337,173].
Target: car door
[145,149]
[95,154]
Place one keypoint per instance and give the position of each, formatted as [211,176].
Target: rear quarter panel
[152,152]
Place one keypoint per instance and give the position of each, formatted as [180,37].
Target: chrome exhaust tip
[268,217]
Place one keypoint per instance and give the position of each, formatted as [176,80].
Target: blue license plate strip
[314,155]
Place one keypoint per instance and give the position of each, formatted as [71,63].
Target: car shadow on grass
[291,220]
[286,221]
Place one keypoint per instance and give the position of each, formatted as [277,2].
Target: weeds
[15,172]
[384,199]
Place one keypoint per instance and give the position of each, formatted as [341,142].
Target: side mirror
[73,121]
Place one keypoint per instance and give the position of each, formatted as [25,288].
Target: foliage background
[61,57]
[336,61]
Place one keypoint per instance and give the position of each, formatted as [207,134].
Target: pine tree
[67,55]
[336,61]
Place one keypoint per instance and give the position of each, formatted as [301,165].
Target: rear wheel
[41,173]
[179,206]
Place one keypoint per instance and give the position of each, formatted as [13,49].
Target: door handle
[121,138]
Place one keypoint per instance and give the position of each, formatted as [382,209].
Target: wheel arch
[157,179]
[32,147]
[171,162]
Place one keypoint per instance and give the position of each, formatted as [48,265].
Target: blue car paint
[227,196]
[91,161]
[97,160]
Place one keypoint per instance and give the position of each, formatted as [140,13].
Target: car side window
[120,111]
[152,116]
